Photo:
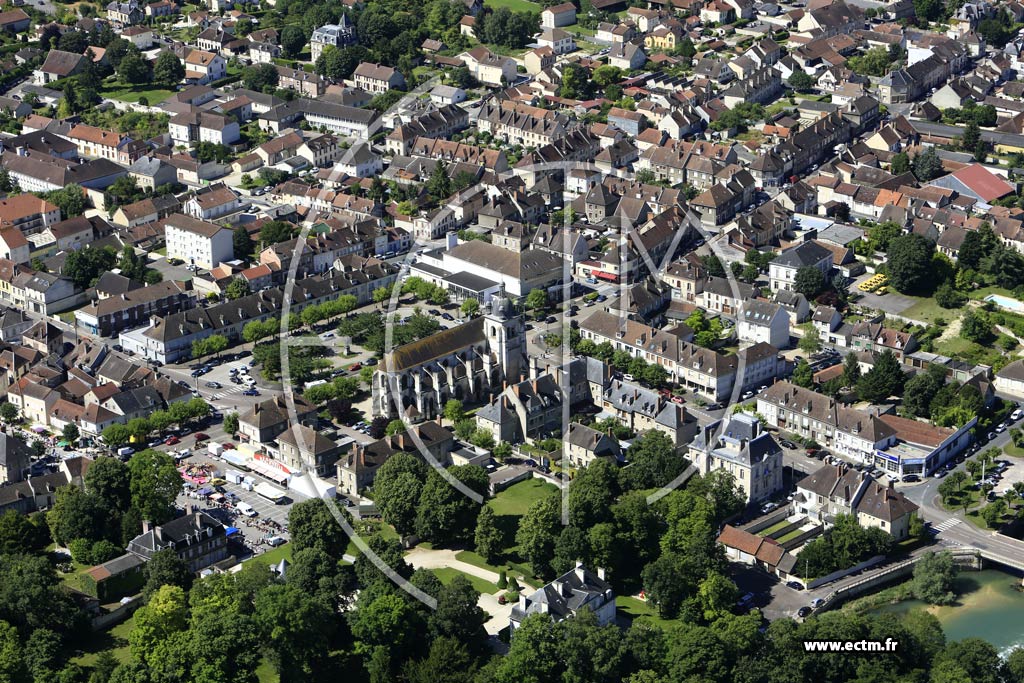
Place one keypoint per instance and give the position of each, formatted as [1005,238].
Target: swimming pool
[1006,302]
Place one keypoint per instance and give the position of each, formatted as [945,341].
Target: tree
[13,668]
[231,424]
[928,10]
[921,389]
[910,263]
[116,435]
[293,39]
[470,307]
[165,568]
[168,69]
[900,163]
[453,411]
[538,531]
[458,617]
[273,232]
[312,525]
[489,539]
[242,243]
[260,77]
[134,69]
[439,185]
[971,137]
[8,412]
[851,369]
[397,488]
[666,584]
[803,376]
[21,534]
[800,81]
[71,201]
[653,462]
[445,514]
[977,327]
[811,341]
[885,379]
[933,578]
[537,300]
[236,289]
[947,296]
[809,281]
[927,165]
[155,484]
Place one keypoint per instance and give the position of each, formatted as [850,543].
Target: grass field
[514,5]
[115,640]
[132,93]
[927,310]
[367,529]
[447,574]
[773,528]
[516,499]
[281,552]
[266,673]
[638,609]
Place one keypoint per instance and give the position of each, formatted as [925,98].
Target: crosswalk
[945,525]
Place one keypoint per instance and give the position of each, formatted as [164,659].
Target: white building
[743,450]
[782,271]
[198,242]
[763,321]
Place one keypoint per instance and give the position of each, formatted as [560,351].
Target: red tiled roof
[983,182]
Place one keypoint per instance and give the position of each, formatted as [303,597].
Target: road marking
[945,525]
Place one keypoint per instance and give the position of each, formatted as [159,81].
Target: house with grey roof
[565,597]
[585,444]
[14,458]
[783,269]
[197,538]
[763,321]
[531,409]
[841,490]
[741,447]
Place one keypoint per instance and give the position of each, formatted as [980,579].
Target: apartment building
[198,242]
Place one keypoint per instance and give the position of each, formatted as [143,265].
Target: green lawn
[447,574]
[115,640]
[516,499]
[132,93]
[368,529]
[281,552]
[773,528]
[927,310]
[514,5]
[1015,451]
[518,569]
[266,672]
[638,609]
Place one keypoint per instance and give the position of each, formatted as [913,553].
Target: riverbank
[989,606]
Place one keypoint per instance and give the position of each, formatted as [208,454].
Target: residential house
[377,78]
[337,35]
[198,539]
[763,321]
[267,420]
[557,16]
[565,597]
[585,444]
[740,446]
[783,269]
[841,490]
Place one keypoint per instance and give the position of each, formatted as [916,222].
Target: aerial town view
[512,341]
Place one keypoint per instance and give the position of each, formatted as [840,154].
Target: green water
[990,607]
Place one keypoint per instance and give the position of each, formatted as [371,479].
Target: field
[271,557]
[635,608]
[514,5]
[447,574]
[132,93]
[115,640]
[928,311]
[516,499]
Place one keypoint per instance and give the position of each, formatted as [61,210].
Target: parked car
[172,441]
[202,437]
[786,443]
[355,367]
[250,392]
[795,585]
[911,478]
[214,385]
[817,602]
[804,611]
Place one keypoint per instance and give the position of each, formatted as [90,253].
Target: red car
[172,440]
[355,367]
[201,437]
[229,446]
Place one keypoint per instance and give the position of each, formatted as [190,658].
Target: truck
[214,448]
[246,509]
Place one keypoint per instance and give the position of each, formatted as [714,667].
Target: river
[990,608]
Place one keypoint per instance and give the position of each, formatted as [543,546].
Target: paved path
[421,558]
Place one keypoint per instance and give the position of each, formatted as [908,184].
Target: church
[469,362]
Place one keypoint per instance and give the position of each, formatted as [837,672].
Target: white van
[126,451]
[245,509]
